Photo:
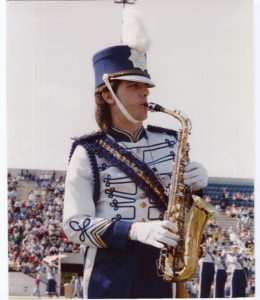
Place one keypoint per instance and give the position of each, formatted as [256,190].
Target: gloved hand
[195,176]
[154,233]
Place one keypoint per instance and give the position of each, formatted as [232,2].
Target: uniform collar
[122,135]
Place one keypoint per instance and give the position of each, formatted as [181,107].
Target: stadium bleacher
[243,192]
[28,245]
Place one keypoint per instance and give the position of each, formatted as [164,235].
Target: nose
[144,90]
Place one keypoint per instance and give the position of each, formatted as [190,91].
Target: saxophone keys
[164,251]
[173,211]
[177,216]
[181,194]
[186,147]
[181,186]
[178,206]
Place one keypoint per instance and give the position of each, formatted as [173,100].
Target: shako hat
[121,62]
[127,61]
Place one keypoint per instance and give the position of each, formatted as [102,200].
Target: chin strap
[118,102]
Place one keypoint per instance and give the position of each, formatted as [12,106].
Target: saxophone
[178,264]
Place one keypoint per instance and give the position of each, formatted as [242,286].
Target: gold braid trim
[96,232]
[133,167]
[126,72]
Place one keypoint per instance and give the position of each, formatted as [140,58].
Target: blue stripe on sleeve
[116,235]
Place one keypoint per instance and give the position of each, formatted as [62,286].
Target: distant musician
[207,272]
[236,262]
[220,274]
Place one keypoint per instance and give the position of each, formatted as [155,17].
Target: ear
[106,95]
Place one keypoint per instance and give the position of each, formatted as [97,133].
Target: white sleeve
[78,186]
[79,210]
[79,221]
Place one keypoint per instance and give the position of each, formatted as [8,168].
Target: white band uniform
[119,199]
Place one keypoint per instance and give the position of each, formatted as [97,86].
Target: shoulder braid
[87,142]
[158,129]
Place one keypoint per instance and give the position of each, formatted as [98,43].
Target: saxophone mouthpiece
[154,107]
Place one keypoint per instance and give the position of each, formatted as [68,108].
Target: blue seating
[214,190]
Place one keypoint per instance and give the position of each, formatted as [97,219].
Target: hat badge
[138,59]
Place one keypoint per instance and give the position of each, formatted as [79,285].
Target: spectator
[36,289]
[208,199]
[51,283]
[76,287]
[188,286]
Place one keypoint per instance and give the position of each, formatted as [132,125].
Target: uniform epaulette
[162,130]
[85,140]
[89,137]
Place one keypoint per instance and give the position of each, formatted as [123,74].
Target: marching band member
[207,272]
[220,274]
[238,278]
[116,182]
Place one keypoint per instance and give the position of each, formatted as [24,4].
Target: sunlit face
[133,96]
[235,249]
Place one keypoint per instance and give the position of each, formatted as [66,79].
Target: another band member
[207,272]
[220,275]
[239,274]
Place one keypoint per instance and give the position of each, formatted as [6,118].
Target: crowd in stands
[243,215]
[224,197]
[219,243]
[35,220]
[221,239]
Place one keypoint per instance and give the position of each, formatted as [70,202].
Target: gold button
[143,195]
[143,204]
[142,220]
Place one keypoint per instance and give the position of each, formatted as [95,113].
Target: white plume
[133,30]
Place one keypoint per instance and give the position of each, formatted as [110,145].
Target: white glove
[195,176]
[154,233]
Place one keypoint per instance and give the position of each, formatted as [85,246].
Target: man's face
[133,96]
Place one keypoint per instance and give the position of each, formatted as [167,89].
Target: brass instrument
[178,264]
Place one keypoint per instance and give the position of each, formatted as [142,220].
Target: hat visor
[136,78]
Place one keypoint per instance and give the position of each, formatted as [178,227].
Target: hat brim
[136,78]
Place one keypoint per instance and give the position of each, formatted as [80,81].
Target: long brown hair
[102,113]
